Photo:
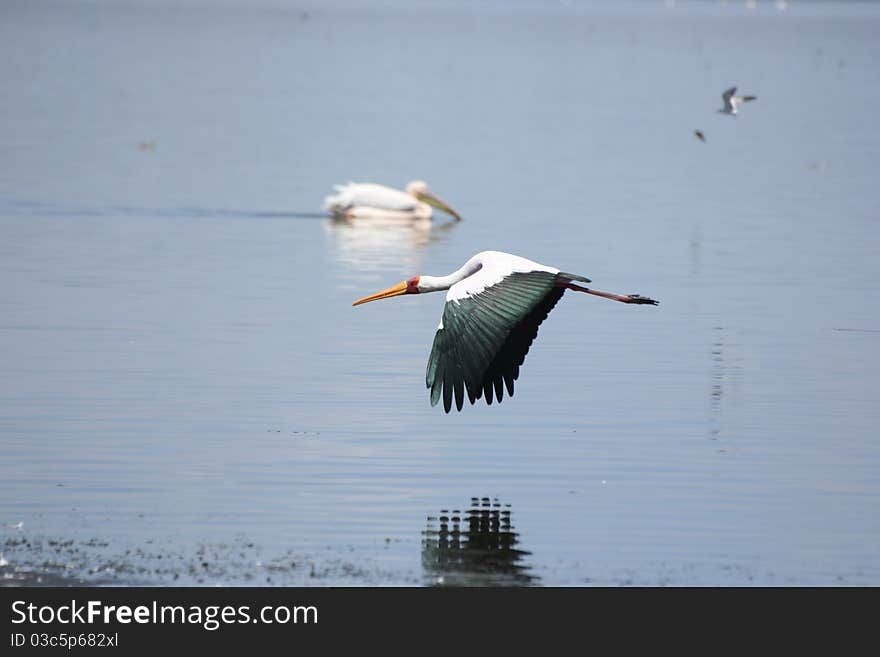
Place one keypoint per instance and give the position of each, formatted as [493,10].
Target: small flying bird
[699,134]
[732,102]
[494,306]
[372,201]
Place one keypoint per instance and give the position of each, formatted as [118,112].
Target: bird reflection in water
[377,244]
[477,548]
[726,379]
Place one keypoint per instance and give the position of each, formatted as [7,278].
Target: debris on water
[95,562]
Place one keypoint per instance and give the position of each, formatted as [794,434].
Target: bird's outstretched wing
[727,96]
[484,337]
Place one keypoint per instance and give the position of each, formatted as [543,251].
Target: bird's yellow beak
[395,291]
[437,202]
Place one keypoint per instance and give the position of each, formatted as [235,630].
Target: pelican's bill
[437,202]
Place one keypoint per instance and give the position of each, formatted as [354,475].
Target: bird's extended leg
[623,298]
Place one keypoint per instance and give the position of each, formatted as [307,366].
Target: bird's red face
[410,286]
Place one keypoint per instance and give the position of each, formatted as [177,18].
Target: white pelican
[368,201]
[494,306]
[732,102]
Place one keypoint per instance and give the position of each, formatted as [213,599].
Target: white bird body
[372,201]
[486,269]
[494,305]
[732,102]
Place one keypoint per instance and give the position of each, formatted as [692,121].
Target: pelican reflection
[383,244]
[474,548]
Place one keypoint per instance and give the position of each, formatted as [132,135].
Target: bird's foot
[638,298]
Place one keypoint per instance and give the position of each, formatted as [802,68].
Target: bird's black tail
[572,277]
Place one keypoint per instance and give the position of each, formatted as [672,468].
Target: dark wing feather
[505,366]
[485,338]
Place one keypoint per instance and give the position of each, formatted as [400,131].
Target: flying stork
[494,306]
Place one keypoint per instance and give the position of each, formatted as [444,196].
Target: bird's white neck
[438,283]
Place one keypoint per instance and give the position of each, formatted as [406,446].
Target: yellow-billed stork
[494,306]
[369,201]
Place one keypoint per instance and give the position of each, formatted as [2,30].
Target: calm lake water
[188,396]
